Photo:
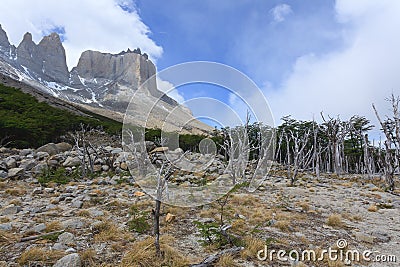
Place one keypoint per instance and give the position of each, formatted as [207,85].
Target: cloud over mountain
[104,25]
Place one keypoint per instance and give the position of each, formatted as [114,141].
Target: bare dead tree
[84,143]
[336,131]
[237,147]
[391,130]
[164,173]
[299,158]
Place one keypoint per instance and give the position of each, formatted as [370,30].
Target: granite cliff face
[45,59]
[6,49]
[101,82]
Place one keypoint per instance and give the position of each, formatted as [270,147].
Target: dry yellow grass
[240,227]
[252,246]
[88,257]
[284,226]
[15,191]
[83,213]
[3,185]
[226,261]
[244,199]
[7,238]
[304,205]
[335,264]
[39,255]
[4,220]
[373,208]
[335,220]
[107,231]
[143,253]
[15,201]
[259,216]
[53,226]
[351,217]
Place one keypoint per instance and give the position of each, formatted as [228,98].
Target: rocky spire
[48,57]
[26,52]
[4,43]
[7,51]
[52,54]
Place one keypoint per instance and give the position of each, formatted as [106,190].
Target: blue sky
[307,57]
[243,34]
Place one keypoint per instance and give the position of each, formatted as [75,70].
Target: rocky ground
[61,219]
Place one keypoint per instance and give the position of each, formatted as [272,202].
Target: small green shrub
[139,221]
[59,176]
[211,234]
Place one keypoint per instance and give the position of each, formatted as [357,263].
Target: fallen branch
[210,260]
[35,237]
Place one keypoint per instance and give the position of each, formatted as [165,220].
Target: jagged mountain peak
[4,43]
[104,82]
[27,37]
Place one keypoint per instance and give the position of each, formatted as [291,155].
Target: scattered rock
[39,228]
[72,223]
[27,165]
[37,191]
[42,155]
[364,237]
[16,173]
[10,210]
[71,260]
[3,174]
[124,166]
[6,226]
[77,204]
[63,146]
[139,194]
[169,217]
[49,148]
[39,168]
[105,167]
[67,239]
[11,162]
[25,152]
[72,161]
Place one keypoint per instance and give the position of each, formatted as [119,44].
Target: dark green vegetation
[139,221]
[59,176]
[25,122]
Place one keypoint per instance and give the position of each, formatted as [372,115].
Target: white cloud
[170,90]
[92,24]
[279,12]
[349,81]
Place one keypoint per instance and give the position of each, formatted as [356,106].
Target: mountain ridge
[100,82]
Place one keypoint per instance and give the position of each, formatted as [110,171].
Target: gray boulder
[71,260]
[50,148]
[66,239]
[72,161]
[63,146]
[27,164]
[39,168]
[10,210]
[25,152]
[16,173]
[11,162]
[3,174]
